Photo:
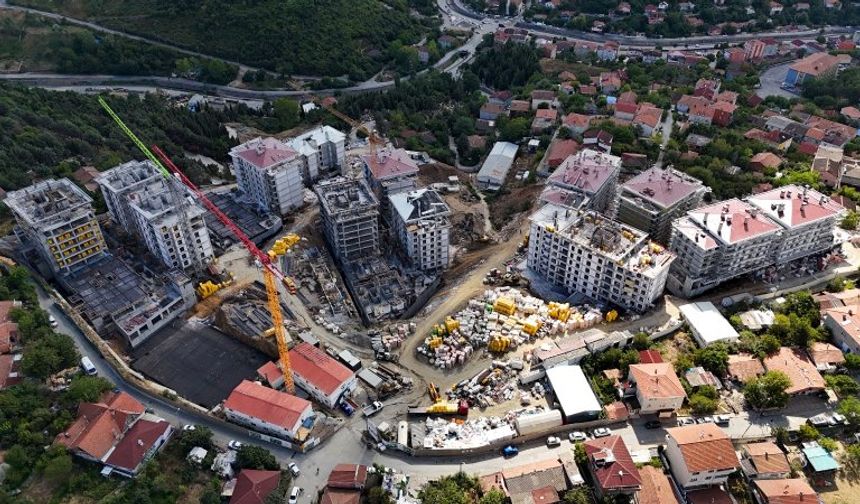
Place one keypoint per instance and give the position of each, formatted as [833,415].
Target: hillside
[330,38]
[50,134]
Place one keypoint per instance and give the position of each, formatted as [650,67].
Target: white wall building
[419,220]
[732,238]
[159,222]
[658,388]
[270,174]
[708,324]
[322,149]
[267,410]
[58,218]
[494,171]
[321,376]
[598,257]
[589,173]
[700,455]
[574,394]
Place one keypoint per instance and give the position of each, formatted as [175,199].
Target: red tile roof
[548,114]
[704,447]
[850,112]
[340,496]
[656,488]
[253,487]
[650,357]
[268,405]
[736,211]
[100,425]
[270,372]
[5,308]
[6,378]
[318,368]
[616,469]
[744,367]
[800,370]
[766,159]
[626,108]
[391,163]
[787,491]
[131,451]
[577,120]
[561,150]
[8,334]
[665,187]
[816,64]
[657,380]
[767,457]
[347,476]
[710,495]
[265,152]
[823,354]
[648,115]
[586,170]
[796,211]
[545,495]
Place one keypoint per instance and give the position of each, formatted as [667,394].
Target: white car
[553,441]
[52,321]
[294,495]
[601,432]
[188,427]
[294,469]
[577,436]
[234,445]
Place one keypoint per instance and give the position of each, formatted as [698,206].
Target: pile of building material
[385,343]
[501,320]
[493,385]
[473,433]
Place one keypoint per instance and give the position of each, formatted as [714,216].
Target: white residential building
[653,199]
[322,149]
[391,171]
[267,410]
[700,455]
[350,216]
[323,377]
[117,183]
[584,252]
[419,220]
[732,238]
[270,174]
[57,217]
[159,222]
[591,174]
[657,387]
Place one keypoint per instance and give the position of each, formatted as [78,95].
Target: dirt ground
[518,200]
[438,172]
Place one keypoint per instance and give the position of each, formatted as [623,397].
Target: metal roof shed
[495,169]
[573,393]
[707,323]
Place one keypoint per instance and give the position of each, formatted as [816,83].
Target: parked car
[685,421]
[189,427]
[52,321]
[234,445]
[510,451]
[553,441]
[294,495]
[653,424]
[294,469]
[705,419]
[577,436]
[372,408]
[723,419]
[601,432]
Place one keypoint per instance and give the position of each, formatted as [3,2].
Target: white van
[52,321]
[88,367]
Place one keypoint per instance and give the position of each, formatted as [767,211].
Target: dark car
[653,424]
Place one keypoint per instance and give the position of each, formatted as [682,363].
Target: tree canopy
[768,391]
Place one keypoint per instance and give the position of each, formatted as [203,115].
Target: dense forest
[507,66]
[336,37]
[50,134]
[832,91]
[40,44]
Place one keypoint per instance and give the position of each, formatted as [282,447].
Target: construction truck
[441,408]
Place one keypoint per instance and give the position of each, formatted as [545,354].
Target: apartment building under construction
[350,214]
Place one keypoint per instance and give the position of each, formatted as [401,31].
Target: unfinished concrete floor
[198,362]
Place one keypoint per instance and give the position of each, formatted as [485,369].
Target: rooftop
[820,459]
[767,457]
[318,368]
[264,153]
[824,354]
[49,203]
[656,487]
[345,196]
[611,463]
[498,162]
[586,171]
[100,425]
[793,206]
[621,243]
[733,221]
[391,163]
[800,370]
[253,486]
[268,405]
[347,476]
[576,396]
[128,175]
[308,142]
[420,205]
[704,447]
[137,443]
[786,491]
[744,367]
[661,187]
[816,64]
[709,324]
[657,381]
[848,317]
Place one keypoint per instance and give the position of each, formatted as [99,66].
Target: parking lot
[198,362]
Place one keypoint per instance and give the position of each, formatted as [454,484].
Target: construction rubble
[500,321]
[385,343]
[493,385]
[473,433]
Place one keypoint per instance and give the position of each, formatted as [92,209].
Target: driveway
[771,82]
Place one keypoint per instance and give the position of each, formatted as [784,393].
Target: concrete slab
[198,362]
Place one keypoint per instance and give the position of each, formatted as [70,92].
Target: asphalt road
[771,81]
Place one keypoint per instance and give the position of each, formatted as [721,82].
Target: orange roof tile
[318,368]
[704,447]
[657,380]
[268,405]
[824,353]
[799,369]
[744,367]
[787,491]
[253,486]
[767,457]
[656,488]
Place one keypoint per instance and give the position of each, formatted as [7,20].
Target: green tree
[579,454]
[87,388]
[850,407]
[445,491]
[852,361]
[768,391]
[48,355]
[850,221]
[58,468]
[714,358]
[201,436]
[807,432]
[701,404]
[287,112]
[843,385]
[579,495]
[494,496]
[256,457]
[377,495]
[641,341]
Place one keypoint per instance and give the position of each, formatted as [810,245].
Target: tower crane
[271,273]
[372,138]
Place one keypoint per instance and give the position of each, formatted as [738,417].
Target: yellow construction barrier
[504,306]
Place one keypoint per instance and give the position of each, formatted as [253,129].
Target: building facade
[700,455]
[119,182]
[270,174]
[267,410]
[653,199]
[591,174]
[322,149]
[321,376]
[657,387]
[350,215]
[732,238]
[605,260]
[419,220]
[58,219]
